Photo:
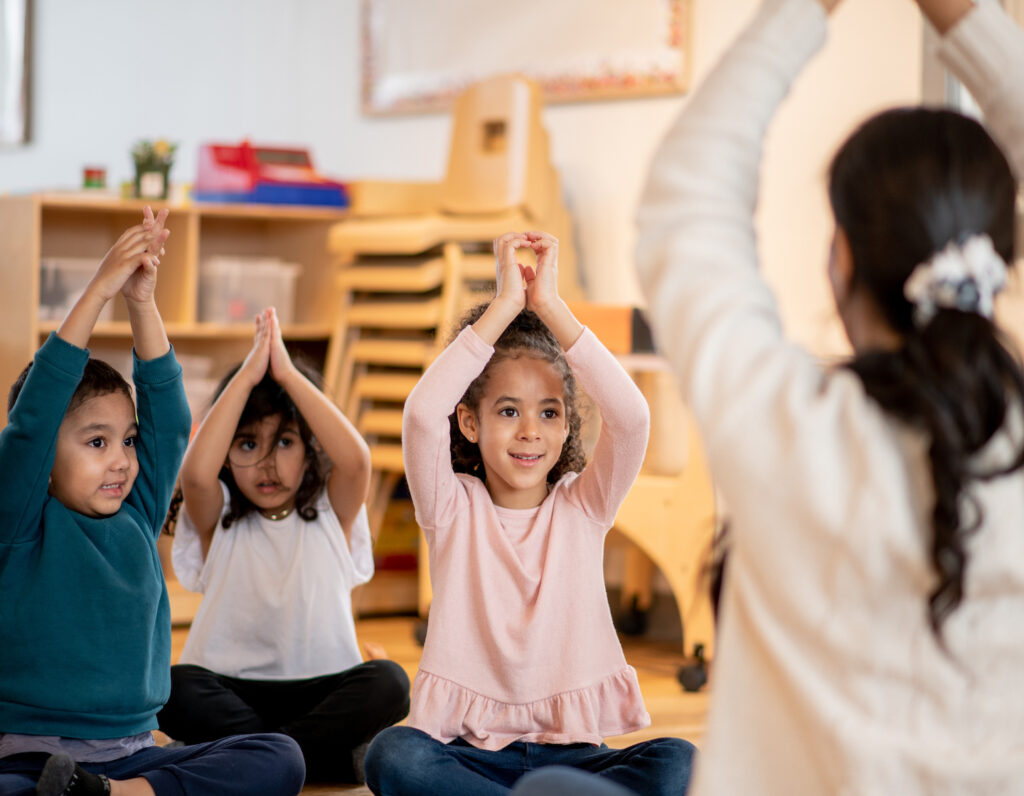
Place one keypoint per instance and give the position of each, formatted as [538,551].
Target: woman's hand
[944,14]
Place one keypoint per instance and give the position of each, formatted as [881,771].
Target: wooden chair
[669,515]
[395,315]
[499,178]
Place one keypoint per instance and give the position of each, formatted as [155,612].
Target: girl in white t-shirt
[274,534]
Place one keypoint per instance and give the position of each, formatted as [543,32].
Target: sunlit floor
[673,712]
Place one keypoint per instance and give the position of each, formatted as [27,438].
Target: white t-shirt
[277,595]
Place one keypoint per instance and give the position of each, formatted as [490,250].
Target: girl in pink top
[521,667]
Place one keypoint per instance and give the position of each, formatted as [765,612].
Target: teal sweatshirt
[85,631]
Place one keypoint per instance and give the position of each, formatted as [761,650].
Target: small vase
[151,183]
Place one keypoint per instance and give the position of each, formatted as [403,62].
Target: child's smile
[114,490]
[96,463]
[520,426]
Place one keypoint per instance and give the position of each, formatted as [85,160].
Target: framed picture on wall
[15,19]
[417,57]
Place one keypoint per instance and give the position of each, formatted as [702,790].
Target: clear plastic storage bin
[235,289]
[62,281]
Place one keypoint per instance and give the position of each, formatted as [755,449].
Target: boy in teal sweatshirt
[84,615]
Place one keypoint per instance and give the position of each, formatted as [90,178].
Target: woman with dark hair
[870,635]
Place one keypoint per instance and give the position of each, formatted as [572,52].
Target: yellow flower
[153,154]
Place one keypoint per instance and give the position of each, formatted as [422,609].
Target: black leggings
[327,716]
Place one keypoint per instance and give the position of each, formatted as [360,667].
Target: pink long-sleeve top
[521,644]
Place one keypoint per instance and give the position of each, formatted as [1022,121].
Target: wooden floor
[673,712]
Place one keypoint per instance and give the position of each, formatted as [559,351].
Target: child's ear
[467,422]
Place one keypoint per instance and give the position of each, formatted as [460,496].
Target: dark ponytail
[903,186]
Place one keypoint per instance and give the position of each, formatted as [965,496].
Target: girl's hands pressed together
[281,365]
[256,362]
[521,287]
[510,275]
[542,285]
[510,296]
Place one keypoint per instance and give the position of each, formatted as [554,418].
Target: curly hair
[903,186]
[268,399]
[527,336]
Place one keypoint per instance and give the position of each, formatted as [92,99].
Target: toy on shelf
[265,174]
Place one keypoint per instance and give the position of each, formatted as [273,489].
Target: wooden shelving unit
[81,225]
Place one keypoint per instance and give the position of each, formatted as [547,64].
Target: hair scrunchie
[963,277]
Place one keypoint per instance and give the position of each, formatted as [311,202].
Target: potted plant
[153,161]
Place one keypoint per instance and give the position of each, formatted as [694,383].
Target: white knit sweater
[828,679]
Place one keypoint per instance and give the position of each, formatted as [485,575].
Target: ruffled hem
[446,710]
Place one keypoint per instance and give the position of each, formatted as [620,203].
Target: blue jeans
[242,765]
[403,761]
[562,781]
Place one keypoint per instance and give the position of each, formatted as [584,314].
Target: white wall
[107,72]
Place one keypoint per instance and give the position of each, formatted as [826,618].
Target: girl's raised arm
[349,480]
[206,454]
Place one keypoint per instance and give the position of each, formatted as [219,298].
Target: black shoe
[62,777]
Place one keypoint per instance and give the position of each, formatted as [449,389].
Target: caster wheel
[633,622]
[419,632]
[693,675]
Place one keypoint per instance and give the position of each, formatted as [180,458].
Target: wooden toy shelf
[44,225]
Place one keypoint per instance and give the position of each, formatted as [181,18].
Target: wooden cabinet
[37,226]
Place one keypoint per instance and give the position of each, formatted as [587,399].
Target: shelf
[88,202]
[83,224]
[204,331]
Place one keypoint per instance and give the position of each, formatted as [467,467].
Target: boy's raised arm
[148,333]
[131,262]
